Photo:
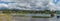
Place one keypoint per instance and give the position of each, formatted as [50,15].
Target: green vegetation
[41,17]
[8,11]
[57,12]
[27,11]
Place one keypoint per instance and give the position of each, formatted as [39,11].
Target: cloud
[54,6]
[29,5]
[3,5]
[23,5]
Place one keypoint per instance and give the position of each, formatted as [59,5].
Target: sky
[31,4]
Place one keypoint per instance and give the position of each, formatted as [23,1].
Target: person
[52,15]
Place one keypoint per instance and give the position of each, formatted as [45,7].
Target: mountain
[3,8]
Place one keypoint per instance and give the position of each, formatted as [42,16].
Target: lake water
[34,14]
[29,18]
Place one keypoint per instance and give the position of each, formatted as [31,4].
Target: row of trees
[27,11]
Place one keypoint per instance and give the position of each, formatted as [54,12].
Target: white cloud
[3,5]
[27,6]
[54,6]
[7,0]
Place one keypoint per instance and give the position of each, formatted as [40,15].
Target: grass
[1,19]
[41,17]
[8,17]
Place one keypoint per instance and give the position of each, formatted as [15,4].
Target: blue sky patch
[55,1]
